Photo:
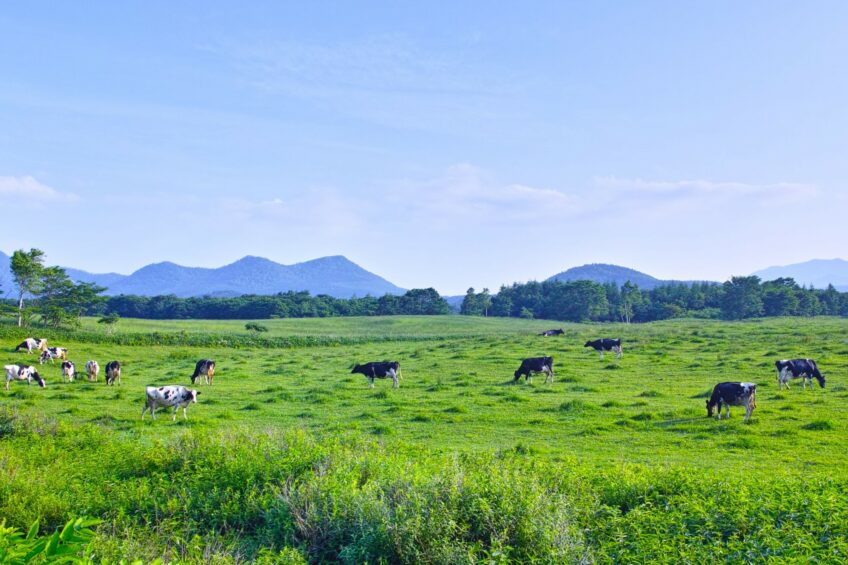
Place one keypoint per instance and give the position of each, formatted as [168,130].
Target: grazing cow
[536,365]
[23,373]
[31,343]
[69,371]
[805,369]
[93,369]
[733,394]
[177,396]
[113,372]
[601,345]
[549,333]
[205,369]
[52,353]
[379,370]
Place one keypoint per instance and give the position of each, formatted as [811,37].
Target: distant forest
[577,301]
[47,295]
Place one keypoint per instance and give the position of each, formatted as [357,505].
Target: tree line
[47,295]
[582,301]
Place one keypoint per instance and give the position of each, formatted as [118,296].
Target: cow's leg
[143,410]
[372,381]
[617,350]
[153,411]
[394,378]
[749,407]
[601,352]
[185,417]
[176,409]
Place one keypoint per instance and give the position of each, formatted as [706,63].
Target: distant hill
[817,273]
[336,276]
[604,273]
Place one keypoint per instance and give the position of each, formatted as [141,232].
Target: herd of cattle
[723,396]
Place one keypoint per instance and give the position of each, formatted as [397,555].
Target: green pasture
[459,394]
[641,417]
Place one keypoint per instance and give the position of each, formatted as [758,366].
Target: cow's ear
[198,393]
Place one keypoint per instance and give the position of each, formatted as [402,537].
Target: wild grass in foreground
[230,497]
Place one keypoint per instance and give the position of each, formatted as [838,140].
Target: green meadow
[288,456]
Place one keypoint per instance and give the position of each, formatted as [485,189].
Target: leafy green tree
[26,269]
[742,298]
[631,298]
[470,306]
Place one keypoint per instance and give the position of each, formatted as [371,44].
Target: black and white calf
[804,369]
[732,394]
[69,371]
[177,396]
[52,353]
[31,343]
[93,369]
[113,372]
[204,369]
[536,365]
[549,333]
[23,373]
[379,370]
[606,344]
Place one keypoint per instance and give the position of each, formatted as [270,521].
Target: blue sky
[445,146]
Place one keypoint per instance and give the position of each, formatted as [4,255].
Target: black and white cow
[379,370]
[205,369]
[93,369]
[536,365]
[69,371]
[549,333]
[23,373]
[805,369]
[113,372]
[52,353]
[732,394]
[606,344]
[177,396]
[31,343]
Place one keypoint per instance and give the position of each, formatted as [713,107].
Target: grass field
[639,423]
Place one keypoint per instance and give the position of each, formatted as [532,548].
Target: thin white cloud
[699,186]
[28,190]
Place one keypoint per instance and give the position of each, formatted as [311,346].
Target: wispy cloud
[780,190]
[28,190]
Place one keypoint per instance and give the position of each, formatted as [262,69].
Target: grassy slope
[458,394]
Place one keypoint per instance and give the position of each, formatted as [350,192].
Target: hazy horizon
[447,146]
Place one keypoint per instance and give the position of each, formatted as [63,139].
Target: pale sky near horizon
[475,144]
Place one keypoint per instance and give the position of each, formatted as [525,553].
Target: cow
[31,343]
[69,371]
[733,394]
[23,373]
[805,369]
[113,372]
[52,353]
[177,396]
[536,365]
[205,369]
[606,344]
[379,370]
[549,333]
[93,369]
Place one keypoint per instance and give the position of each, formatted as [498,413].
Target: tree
[255,328]
[630,299]
[470,305]
[26,270]
[742,298]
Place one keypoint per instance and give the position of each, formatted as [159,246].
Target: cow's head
[37,378]
[194,395]
[356,369]
[821,379]
[589,344]
[710,406]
